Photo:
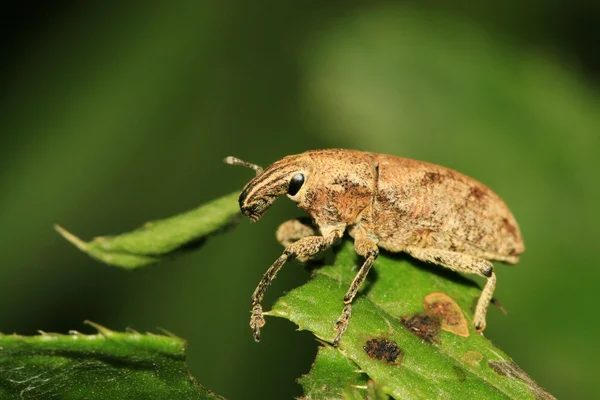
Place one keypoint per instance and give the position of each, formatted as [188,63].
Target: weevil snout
[286,176]
[254,206]
[260,192]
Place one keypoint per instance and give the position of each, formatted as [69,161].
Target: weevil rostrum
[433,213]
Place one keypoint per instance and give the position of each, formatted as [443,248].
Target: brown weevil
[433,213]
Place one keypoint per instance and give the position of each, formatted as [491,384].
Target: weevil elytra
[433,213]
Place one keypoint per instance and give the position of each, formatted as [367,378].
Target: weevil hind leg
[367,248]
[305,247]
[460,262]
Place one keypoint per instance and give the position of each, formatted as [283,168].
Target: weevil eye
[295,184]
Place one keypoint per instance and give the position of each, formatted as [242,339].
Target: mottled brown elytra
[431,212]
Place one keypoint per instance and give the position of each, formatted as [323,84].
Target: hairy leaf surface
[106,365]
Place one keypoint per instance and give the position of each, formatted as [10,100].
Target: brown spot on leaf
[451,316]
[444,309]
[384,349]
[424,325]
[510,369]
[472,358]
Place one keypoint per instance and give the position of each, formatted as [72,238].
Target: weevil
[433,213]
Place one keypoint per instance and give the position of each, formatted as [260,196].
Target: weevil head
[333,186]
[289,175]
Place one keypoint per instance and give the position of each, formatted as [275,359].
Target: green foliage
[445,365]
[333,376]
[157,240]
[112,113]
[379,355]
[106,365]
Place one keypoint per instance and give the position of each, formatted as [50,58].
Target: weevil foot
[342,324]
[257,321]
[479,320]
[479,326]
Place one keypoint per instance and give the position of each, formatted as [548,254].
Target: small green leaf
[332,376]
[107,365]
[438,364]
[160,239]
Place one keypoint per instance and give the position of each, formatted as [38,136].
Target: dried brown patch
[424,325]
[384,349]
[510,369]
[451,316]
[445,309]
[472,358]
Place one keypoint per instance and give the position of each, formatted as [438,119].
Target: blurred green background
[115,114]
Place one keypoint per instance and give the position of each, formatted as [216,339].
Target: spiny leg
[463,263]
[368,249]
[305,248]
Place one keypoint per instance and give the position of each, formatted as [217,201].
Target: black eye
[295,184]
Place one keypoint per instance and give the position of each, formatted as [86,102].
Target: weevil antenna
[236,161]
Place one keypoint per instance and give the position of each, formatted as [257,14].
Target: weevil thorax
[289,175]
[342,188]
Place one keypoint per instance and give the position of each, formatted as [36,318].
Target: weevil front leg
[460,262]
[303,248]
[293,230]
[367,248]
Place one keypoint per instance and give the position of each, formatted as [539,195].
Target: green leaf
[160,239]
[436,364]
[107,365]
[333,376]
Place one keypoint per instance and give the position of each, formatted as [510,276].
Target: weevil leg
[293,230]
[460,262]
[303,248]
[368,249]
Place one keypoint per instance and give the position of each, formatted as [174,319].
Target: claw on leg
[257,321]
[342,324]
[479,326]
[304,247]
